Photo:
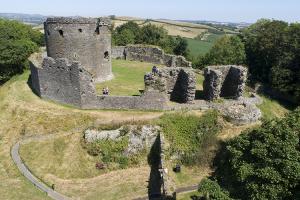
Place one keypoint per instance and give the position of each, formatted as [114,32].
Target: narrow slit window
[97,31]
[61,33]
[106,55]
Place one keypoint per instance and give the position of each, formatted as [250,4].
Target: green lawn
[129,78]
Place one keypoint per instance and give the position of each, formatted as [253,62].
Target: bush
[188,134]
[212,191]
[263,163]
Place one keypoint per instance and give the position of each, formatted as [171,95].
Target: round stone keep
[86,40]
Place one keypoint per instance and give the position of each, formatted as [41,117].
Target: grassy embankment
[62,160]
[23,113]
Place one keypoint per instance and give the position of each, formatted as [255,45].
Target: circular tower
[87,40]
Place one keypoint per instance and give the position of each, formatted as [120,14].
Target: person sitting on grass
[105,91]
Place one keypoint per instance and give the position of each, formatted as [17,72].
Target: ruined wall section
[57,80]
[178,83]
[87,40]
[118,52]
[224,81]
[149,53]
[148,101]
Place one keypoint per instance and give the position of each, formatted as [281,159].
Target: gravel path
[26,172]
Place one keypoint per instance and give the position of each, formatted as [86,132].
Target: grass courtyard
[129,78]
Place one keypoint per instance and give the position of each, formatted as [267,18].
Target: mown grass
[128,78]
[62,161]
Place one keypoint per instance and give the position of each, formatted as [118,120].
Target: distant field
[174,28]
[201,47]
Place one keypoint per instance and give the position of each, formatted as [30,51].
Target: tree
[227,50]
[211,190]
[124,37]
[181,47]
[154,35]
[264,163]
[17,42]
[272,49]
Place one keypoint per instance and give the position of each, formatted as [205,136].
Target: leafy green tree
[17,42]
[272,49]
[227,50]
[211,190]
[132,33]
[264,163]
[124,38]
[181,47]
[153,35]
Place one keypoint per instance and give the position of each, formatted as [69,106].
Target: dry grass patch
[23,113]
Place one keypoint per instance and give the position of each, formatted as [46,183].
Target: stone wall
[118,52]
[62,81]
[87,40]
[69,83]
[178,83]
[168,185]
[148,53]
[147,101]
[224,81]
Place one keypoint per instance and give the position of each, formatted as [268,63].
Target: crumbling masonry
[177,82]
[224,81]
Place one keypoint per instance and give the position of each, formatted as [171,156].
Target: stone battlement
[78,20]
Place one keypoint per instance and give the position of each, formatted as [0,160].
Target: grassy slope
[174,28]
[199,47]
[272,108]
[22,112]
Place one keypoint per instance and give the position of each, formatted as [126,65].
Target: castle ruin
[79,55]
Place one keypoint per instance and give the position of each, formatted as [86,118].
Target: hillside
[175,28]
